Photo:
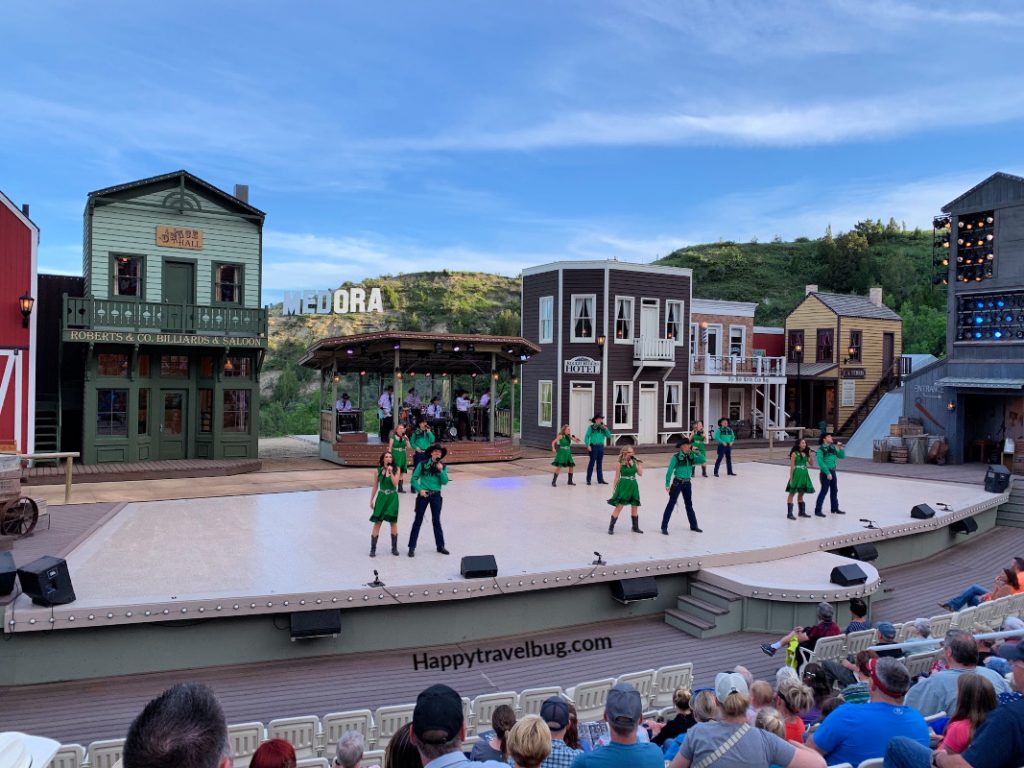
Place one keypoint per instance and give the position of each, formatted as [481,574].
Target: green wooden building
[170,322]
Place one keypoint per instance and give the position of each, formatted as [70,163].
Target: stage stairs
[707,611]
[1011,513]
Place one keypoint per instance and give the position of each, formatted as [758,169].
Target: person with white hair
[349,750]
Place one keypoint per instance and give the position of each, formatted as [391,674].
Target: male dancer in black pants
[827,455]
[677,481]
[428,479]
[596,438]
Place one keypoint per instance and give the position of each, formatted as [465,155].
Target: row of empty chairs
[314,737]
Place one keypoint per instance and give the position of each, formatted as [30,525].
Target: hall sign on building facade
[341,301]
[583,364]
[179,237]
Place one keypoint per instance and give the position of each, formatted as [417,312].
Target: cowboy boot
[394,545]
[570,479]
[789,512]
[611,525]
[636,524]
[373,546]
[803,508]
[554,479]
[401,484]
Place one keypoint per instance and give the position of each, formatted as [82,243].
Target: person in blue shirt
[623,710]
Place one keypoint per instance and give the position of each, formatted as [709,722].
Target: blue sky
[397,136]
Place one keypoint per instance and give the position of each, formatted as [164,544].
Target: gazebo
[436,365]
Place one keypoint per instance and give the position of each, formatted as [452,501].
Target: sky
[414,135]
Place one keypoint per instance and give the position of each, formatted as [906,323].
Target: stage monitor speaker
[848,575]
[306,625]
[631,590]
[997,478]
[863,552]
[479,567]
[47,581]
[967,525]
[7,573]
[922,512]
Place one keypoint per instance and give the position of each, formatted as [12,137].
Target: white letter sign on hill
[342,301]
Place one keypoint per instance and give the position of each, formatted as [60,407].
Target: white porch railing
[652,348]
[729,365]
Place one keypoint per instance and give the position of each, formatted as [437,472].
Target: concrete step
[684,622]
[1012,506]
[703,610]
[710,593]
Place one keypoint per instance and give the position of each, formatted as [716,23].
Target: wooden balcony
[735,366]
[146,316]
[650,350]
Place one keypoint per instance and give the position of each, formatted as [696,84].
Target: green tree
[507,323]
[924,329]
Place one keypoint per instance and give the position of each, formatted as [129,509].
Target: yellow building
[842,354]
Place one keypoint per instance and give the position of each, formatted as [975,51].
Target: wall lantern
[951,406]
[25,302]
[600,341]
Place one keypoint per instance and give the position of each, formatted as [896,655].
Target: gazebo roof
[419,352]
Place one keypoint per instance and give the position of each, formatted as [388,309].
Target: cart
[18,514]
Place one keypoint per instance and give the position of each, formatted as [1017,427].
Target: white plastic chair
[335,724]
[244,738]
[921,663]
[667,679]
[313,762]
[642,681]
[940,624]
[104,754]
[372,757]
[859,641]
[936,716]
[826,649]
[485,704]
[69,756]
[903,631]
[874,762]
[531,699]
[390,719]
[302,732]
[590,697]
[965,618]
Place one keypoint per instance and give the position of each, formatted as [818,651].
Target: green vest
[596,435]
[680,466]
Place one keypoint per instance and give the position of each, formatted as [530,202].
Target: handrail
[888,382]
[68,456]
[112,314]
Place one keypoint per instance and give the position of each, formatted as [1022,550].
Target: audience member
[349,751]
[857,732]
[438,729]
[761,695]
[858,691]
[769,719]
[858,616]
[785,672]
[937,693]
[278,753]
[832,703]
[814,677]
[400,751]
[681,722]
[998,662]
[184,727]
[732,743]
[572,733]
[623,711]
[921,629]
[492,744]
[975,698]
[1006,583]
[807,637]
[792,700]
[705,709]
[555,712]
[887,636]
[743,672]
[529,742]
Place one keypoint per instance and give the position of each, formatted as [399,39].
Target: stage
[181,561]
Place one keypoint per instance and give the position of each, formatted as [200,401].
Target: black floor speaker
[967,525]
[849,575]
[630,590]
[47,581]
[309,624]
[479,567]
[863,552]
[7,573]
[922,512]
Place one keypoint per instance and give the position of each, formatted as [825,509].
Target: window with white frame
[673,404]
[547,319]
[737,337]
[583,317]
[735,411]
[694,409]
[544,415]
[622,401]
[693,339]
[848,394]
[674,321]
[623,318]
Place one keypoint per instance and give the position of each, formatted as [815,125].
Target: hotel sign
[583,364]
[175,339]
[179,237]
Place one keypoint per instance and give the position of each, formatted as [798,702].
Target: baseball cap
[886,629]
[623,706]
[555,712]
[19,750]
[438,712]
[1012,651]
[727,683]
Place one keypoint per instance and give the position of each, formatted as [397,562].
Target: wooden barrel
[898,455]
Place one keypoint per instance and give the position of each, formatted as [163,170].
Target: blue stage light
[981,305]
[979,319]
[1000,303]
[998,334]
[977,334]
[1009,318]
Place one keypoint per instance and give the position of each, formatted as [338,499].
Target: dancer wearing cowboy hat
[428,479]
[677,481]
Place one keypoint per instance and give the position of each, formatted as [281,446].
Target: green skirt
[801,482]
[400,458]
[385,508]
[563,458]
[627,493]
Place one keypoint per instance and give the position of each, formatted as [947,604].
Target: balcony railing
[651,348]
[105,314]
[729,365]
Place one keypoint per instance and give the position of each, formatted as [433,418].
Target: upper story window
[227,287]
[583,318]
[826,337]
[127,276]
[693,339]
[856,343]
[238,367]
[674,321]
[737,339]
[623,318]
[547,319]
[795,350]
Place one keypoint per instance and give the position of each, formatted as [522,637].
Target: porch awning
[809,370]
[966,382]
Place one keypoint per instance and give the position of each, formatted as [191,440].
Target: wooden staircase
[47,429]
[1011,514]
[707,611]
[890,381]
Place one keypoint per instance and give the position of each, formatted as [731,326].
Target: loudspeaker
[630,590]
[997,478]
[7,573]
[479,567]
[967,525]
[309,624]
[863,552]
[848,575]
[922,512]
[47,581]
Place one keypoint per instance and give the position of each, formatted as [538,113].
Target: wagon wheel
[20,518]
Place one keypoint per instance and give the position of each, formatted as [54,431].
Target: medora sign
[337,302]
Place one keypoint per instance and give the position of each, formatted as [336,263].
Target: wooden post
[512,407]
[67,479]
[490,403]
[396,401]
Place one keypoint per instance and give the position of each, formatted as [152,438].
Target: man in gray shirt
[937,693]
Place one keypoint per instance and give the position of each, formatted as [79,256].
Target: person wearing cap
[808,637]
[438,729]
[428,479]
[184,727]
[595,438]
[678,481]
[730,742]
[937,692]
[725,436]
[998,743]
[857,732]
[623,711]
[555,712]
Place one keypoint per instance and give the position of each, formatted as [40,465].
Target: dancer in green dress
[561,446]
[384,501]
[627,490]
[699,441]
[800,458]
[399,443]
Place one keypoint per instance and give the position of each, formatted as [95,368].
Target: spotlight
[396,345]
[510,351]
[494,375]
[362,373]
[456,348]
[989,219]
[471,347]
[337,378]
[438,347]
[398,375]
[350,351]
